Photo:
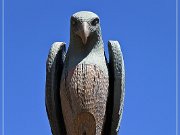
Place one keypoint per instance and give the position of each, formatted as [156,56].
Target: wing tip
[113,42]
[114,45]
[57,45]
[54,49]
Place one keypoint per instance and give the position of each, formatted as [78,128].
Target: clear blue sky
[146,31]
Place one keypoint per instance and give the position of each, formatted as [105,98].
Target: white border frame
[3,67]
[177,68]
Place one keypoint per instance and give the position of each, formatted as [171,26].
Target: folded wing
[116,88]
[54,67]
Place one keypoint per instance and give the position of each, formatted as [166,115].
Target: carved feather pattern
[84,92]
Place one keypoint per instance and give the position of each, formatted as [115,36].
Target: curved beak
[84,32]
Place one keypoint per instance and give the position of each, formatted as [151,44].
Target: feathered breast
[84,92]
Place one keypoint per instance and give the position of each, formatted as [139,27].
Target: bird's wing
[117,84]
[54,67]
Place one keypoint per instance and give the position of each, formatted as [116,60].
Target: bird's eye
[74,23]
[95,21]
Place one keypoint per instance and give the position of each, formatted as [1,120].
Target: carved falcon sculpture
[85,93]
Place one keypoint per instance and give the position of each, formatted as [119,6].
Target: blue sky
[146,31]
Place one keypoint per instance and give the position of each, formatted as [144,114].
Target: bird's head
[85,25]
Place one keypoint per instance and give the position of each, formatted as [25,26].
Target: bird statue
[85,92]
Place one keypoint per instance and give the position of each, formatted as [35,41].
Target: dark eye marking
[95,21]
[74,21]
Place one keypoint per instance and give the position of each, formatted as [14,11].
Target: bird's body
[82,87]
[84,91]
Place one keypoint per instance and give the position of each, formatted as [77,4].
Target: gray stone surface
[85,93]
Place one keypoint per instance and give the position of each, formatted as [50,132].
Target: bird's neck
[77,52]
[94,44]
